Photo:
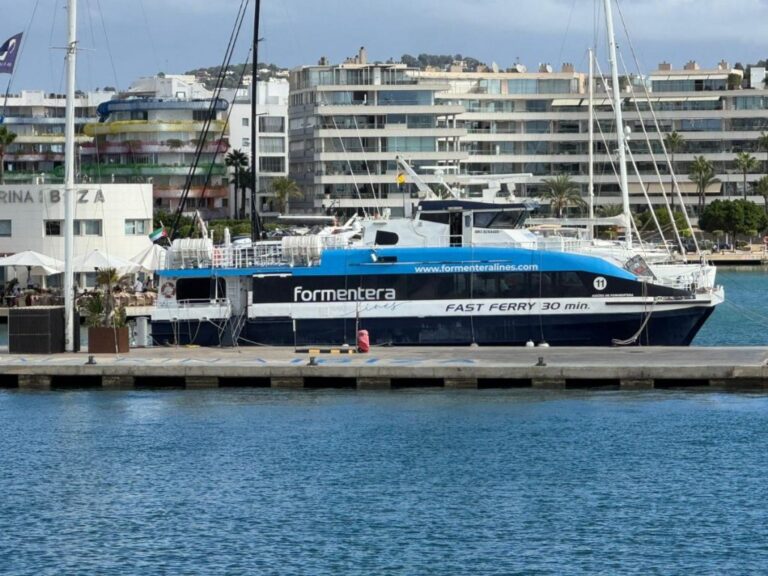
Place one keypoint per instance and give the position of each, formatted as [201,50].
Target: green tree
[734,216]
[762,144]
[703,175]
[645,222]
[674,143]
[238,160]
[562,193]
[285,189]
[609,210]
[745,162]
[102,306]
[6,139]
[761,189]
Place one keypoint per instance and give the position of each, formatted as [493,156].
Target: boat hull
[663,328]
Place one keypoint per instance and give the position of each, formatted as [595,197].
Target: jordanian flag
[157,234]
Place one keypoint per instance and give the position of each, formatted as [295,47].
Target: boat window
[439,217]
[558,285]
[509,219]
[384,238]
[200,289]
[513,285]
[498,219]
[570,285]
[483,219]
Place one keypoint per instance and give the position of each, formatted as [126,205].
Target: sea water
[406,482]
[742,320]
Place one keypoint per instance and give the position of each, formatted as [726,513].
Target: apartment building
[271,134]
[538,123]
[349,123]
[37,119]
[150,134]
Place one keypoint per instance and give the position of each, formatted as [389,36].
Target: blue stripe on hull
[672,328]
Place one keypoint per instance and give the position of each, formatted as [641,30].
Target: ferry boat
[306,291]
[457,273]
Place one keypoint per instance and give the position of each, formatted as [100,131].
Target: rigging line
[567,31]
[747,313]
[655,165]
[667,159]
[229,113]
[209,116]
[596,6]
[149,35]
[365,162]
[647,199]
[607,146]
[109,46]
[88,62]
[24,41]
[346,154]
[223,132]
[52,34]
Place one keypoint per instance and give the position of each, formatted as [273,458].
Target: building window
[5,227]
[272,124]
[88,228]
[136,227]
[53,228]
[269,164]
[246,143]
[271,145]
[203,115]
[246,122]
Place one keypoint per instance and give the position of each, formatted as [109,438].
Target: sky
[122,40]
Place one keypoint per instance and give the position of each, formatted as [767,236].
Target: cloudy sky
[125,39]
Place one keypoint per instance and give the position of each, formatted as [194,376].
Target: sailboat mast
[591,184]
[69,179]
[255,222]
[620,135]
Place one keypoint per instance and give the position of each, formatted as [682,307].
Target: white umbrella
[95,259]
[151,258]
[40,264]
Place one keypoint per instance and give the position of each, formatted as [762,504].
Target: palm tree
[761,189]
[609,210]
[238,160]
[6,139]
[102,306]
[703,175]
[285,189]
[562,193]
[674,143]
[762,144]
[746,163]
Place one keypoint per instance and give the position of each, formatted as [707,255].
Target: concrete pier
[634,368]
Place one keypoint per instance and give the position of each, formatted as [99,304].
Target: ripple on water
[258,481]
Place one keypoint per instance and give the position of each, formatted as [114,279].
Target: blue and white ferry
[306,291]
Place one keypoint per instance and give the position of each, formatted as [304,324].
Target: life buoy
[168,290]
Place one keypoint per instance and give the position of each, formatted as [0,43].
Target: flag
[8,53]
[157,234]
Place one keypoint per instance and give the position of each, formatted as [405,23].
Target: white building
[349,123]
[272,134]
[151,134]
[37,119]
[178,86]
[112,218]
